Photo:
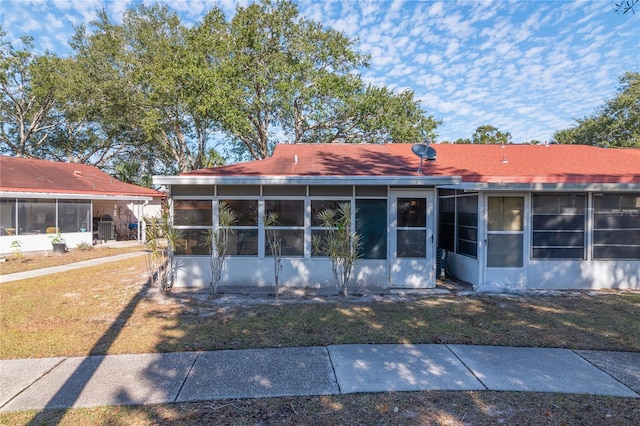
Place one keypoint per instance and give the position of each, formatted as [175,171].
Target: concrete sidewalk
[256,373]
[67,267]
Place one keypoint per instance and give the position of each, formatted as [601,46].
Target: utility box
[441,262]
[106,231]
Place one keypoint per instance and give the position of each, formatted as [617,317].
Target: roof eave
[49,195]
[558,186]
[307,180]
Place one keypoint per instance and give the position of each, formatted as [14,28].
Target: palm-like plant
[217,241]
[340,243]
[275,244]
[161,240]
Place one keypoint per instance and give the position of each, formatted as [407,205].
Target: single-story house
[38,198]
[501,217]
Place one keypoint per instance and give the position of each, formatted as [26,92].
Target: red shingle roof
[42,176]
[474,163]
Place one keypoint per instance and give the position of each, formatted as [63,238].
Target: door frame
[422,270]
[509,277]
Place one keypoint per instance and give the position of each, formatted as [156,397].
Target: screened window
[467,215]
[558,225]
[458,222]
[505,232]
[192,242]
[243,240]
[192,213]
[74,215]
[290,229]
[7,216]
[616,233]
[447,223]
[318,231]
[36,216]
[371,225]
[506,213]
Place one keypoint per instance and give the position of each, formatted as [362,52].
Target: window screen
[371,225]
[616,233]
[558,226]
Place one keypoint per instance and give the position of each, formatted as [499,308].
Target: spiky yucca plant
[270,220]
[161,240]
[217,241]
[340,243]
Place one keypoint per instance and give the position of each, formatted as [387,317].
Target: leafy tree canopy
[154,89]
[616,124]
[488,134]
[26,113]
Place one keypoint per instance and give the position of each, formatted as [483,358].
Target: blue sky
[526,67]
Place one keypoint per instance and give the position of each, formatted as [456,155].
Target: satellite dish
[431,153]
[423,150]
[420,149]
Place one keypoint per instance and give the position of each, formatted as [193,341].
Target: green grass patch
[109,310]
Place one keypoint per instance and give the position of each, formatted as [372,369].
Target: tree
[487,134]
[287,79]
[625,6]
[144,70]
[616,124]
[462,141]
[25,120]
[149,87]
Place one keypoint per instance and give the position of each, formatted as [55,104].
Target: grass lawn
[31,261]
[108,309]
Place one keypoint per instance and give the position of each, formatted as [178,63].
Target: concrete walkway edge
[65,382]
[67,267]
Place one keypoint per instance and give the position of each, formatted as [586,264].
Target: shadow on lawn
[200,325]
[603,322]
[547,321]
[70,391]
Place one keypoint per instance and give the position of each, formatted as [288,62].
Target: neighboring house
[506,217]
[39,198]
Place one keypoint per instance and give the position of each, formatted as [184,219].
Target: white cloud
[436,10]
[528,66]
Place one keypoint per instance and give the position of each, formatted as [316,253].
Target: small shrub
[16,247]
[84,246]
[275,244]
[216,241]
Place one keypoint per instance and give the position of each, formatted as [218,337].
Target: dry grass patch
[410,408]
[31,261]
[108,309]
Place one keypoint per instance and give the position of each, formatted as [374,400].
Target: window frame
[633,215]
[319,229]
[453,242]
[295,228]
[557,230]
[185,230]
[244,227]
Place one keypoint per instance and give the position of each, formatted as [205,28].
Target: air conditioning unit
[441,262]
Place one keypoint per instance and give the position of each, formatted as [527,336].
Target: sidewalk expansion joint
[186,376]
[466,366]
[333,369]
[36,380]
[606,372]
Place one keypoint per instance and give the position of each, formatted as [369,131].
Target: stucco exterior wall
[194,271]
[584,275]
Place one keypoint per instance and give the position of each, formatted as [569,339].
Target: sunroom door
[411,248]
[505,242]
